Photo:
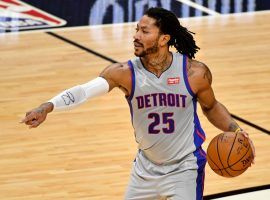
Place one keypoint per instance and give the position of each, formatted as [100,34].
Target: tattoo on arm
[40,110]
[45,108]
[190,72]
[233,126]
[207,75]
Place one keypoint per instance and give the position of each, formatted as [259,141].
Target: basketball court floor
[86,153]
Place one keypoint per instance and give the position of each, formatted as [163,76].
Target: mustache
[136,41]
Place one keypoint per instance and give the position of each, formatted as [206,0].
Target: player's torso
[163,110]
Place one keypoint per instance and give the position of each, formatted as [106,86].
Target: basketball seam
[219,156]
[240,159]
[231,169]
[236,134]
[213,162]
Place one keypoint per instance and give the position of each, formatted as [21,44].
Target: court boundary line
[59,29]
[115,61]
[250,124]
[81,47]
[236,192]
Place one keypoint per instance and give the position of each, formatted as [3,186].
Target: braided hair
[181,38]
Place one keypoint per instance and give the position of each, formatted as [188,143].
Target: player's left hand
[251,144]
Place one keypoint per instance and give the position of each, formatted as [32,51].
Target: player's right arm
[118,75]
[115,75]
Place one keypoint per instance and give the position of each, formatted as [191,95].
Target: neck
[157,63]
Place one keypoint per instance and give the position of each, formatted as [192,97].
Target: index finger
[28,117]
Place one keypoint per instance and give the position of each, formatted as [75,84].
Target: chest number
[166,119]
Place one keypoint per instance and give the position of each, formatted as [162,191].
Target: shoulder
[115,69]
[117,75]
[118,66]
[199,75]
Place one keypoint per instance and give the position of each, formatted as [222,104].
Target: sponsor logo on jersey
[16,15]
[173,81]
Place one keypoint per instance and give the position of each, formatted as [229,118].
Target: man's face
[146,38]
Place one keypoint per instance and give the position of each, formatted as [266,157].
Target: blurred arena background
[16,13]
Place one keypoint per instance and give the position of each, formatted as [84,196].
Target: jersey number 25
[164,118]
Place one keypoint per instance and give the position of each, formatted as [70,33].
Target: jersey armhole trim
[132,81]
[186,76]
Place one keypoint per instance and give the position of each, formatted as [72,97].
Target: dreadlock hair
[181,38]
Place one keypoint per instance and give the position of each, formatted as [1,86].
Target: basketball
[229,154]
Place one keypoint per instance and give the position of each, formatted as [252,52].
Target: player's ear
[164,39]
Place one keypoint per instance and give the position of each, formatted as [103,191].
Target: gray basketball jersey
[163,112]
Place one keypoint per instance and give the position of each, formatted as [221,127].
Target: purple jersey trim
[186,77]
[130,97]
[199,135]
[201,161]
[132,79]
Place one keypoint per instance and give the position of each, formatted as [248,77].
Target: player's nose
[136,35]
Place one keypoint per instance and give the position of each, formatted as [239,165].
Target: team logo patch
[16,15]
[173,81]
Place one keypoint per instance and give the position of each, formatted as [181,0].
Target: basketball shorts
[149,181]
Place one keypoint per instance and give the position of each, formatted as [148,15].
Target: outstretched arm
[67,100]
[111,77]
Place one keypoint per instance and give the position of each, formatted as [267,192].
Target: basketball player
[162,89]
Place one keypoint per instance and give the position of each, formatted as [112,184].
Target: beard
[147,51]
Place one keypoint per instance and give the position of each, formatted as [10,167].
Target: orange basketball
[229,154]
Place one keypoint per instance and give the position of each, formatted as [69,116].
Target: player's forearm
[220,117]
[76,95]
